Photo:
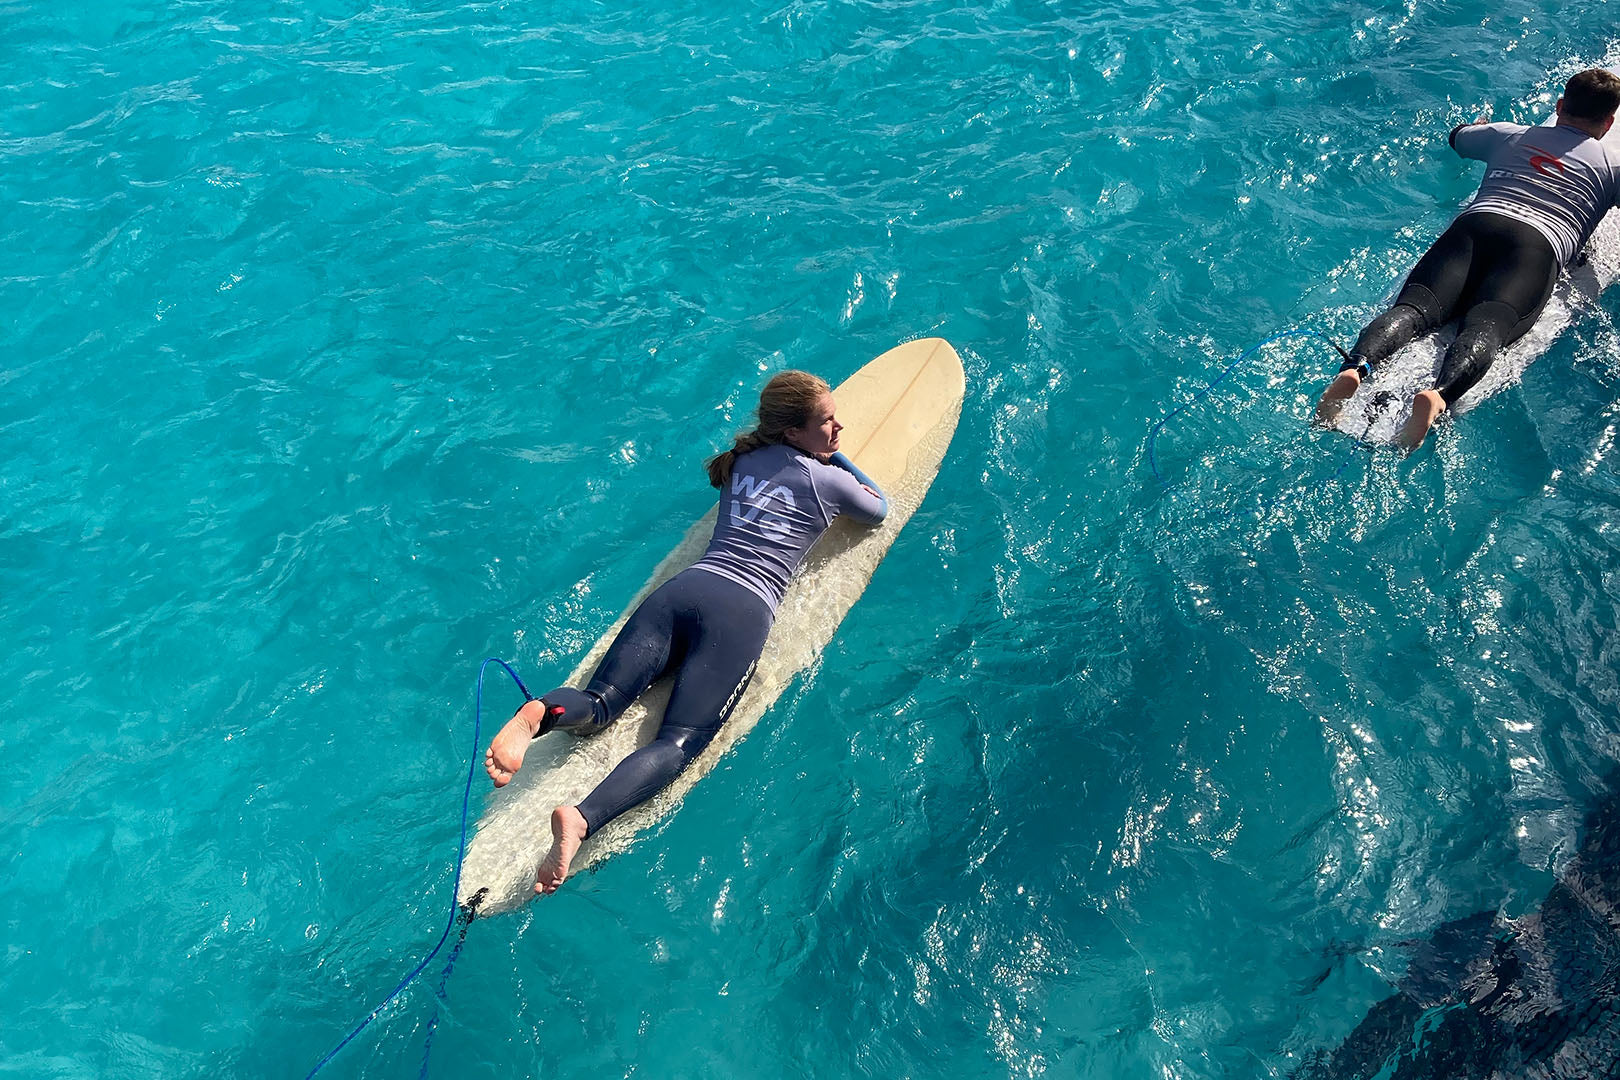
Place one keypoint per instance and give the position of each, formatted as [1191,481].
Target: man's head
[1590,99]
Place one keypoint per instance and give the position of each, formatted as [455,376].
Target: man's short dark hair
[1593,94]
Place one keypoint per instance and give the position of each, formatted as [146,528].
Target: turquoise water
[348,344]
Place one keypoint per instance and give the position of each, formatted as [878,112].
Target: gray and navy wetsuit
[707,625]
[1545,190]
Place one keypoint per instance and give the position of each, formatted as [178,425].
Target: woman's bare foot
[505,754]
[1338,392]
[568,830]
[1426,408]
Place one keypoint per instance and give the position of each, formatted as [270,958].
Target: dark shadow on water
[1493,996]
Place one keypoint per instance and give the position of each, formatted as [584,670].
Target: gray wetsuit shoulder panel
[1555,178]
[779,501]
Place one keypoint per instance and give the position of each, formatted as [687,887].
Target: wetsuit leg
[1385,336]
[723,627]
[1427,299]
[641,654]
[1515,272]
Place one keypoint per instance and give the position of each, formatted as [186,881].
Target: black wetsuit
[1492,272]
[1545,190]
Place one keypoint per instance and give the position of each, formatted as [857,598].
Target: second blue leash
[462,912]
[1153,436]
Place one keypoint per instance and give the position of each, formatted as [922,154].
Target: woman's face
[819,436]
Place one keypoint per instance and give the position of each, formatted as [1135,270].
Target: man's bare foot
[1338,392]
[1426,408]
[568,830]
[505,754]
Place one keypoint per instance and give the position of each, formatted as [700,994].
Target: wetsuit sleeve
[842,487]
[1480,141]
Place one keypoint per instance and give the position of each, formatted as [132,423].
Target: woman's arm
[842,460]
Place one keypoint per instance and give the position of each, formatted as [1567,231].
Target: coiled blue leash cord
[465,913]
[1153,436]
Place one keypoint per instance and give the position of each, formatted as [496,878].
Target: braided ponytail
[720,465]
[786,402]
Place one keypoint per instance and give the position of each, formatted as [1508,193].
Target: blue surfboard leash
[459,913]
[1153,435]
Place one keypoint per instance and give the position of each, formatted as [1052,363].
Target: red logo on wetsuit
[1541,157]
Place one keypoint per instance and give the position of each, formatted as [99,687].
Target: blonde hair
[788,401]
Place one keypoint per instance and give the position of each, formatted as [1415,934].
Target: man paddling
[1545,190]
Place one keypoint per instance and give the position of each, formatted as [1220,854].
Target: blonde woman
[781,485]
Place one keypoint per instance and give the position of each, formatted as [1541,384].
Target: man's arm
[1452,138]
[1480,139]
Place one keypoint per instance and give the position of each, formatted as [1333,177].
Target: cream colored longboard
[899,413]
